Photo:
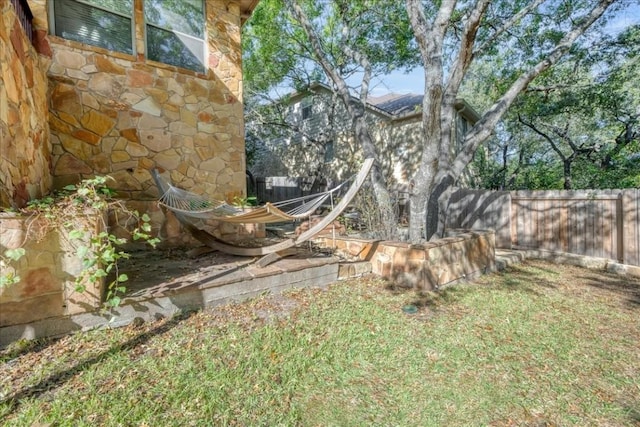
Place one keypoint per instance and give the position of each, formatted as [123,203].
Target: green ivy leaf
[82,251]
[123,278]
[76,234]
[15,254]
[145,218]
[108,255]
[9,279]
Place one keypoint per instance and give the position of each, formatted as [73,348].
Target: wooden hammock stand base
[272,253]
[265,259]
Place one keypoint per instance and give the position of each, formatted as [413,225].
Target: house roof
[246,9]
[398,106]
[409,104]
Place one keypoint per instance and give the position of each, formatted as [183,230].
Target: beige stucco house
[316,136]
[103,87]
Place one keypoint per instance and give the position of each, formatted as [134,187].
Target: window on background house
[307,108]
[462,127]
[175,32]
[328,152]
[103,23]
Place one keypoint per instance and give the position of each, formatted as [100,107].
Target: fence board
[631,220]
[602,223]
[479,209]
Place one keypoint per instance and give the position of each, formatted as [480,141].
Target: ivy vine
[72,212]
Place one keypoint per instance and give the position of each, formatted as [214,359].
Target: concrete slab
[505,258]
[162,285]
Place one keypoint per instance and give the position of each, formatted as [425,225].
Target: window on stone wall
[103,23]
[175,32]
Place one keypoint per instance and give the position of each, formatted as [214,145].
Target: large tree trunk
[438,170]
[389,230]
[566,168]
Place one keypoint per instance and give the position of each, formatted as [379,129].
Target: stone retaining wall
[25,167]
[48,273]
[444,261]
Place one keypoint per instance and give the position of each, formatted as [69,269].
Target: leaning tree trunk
[388,217]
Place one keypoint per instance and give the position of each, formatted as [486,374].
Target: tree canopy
[576,127]
[510,48]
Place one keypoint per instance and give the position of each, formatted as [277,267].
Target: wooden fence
[597,223]
[279,188]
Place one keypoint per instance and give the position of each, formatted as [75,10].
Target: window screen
[102,23]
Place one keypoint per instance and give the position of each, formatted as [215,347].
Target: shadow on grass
[24,346]
[57,379]
[622,286]
[518,278]
[523,277]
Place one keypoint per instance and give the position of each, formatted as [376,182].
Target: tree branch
[482,130]
[465,53]
[545,136]
[506,25]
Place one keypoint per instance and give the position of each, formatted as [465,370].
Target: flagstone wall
[25,147]
[69,111]
[463,255]
[48,271]
[122,115]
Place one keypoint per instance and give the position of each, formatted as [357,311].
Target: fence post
[620,227]
[631,224]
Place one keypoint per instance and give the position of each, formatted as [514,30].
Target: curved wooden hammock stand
[203,236]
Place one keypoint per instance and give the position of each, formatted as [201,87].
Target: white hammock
[188,206]
[193,205]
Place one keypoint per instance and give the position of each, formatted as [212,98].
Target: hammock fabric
[193,209]
[192,205]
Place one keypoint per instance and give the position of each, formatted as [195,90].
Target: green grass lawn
[538,345]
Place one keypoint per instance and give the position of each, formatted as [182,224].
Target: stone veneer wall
[121,115]
[25,164]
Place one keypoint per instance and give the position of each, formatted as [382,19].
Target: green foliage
[245,201]
[276,50]
[577,123]
[9,276]
[74,212]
